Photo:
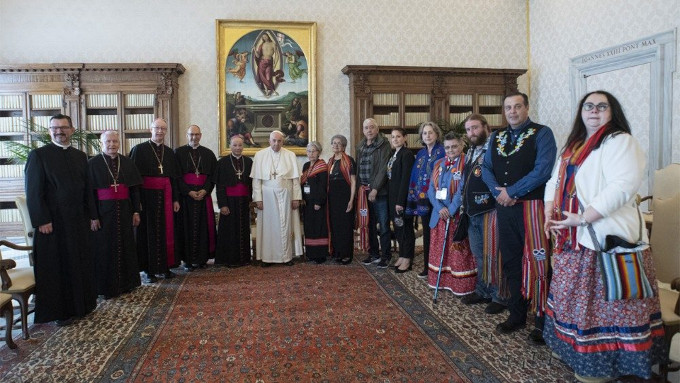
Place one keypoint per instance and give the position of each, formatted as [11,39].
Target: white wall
[466,33]
[561,30]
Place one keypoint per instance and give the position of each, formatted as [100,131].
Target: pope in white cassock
[277,194]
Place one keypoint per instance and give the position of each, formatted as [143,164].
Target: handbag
[620,262]
[462,221]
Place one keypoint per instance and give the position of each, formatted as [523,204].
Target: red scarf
[345,166]
[575,154]
[318,167]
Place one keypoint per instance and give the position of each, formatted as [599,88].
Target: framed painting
[267,81]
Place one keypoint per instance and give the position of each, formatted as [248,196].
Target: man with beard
[480,206]
[196,217]
[56,179]
[114,205]
[234,189]
[159,196]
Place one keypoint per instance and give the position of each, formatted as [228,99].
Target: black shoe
[64,322]
[266,264]
[383,264]
[508,327]
[473,299]
[400,271]
[289,263]
[346,261]
[536,337]
[423,274]
[169,275]
[320,261]
[189,268]
[494,308]
[370,259]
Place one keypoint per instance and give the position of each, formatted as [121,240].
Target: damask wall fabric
[465,33]
[561,30]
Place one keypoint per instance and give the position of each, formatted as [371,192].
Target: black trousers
[405,236]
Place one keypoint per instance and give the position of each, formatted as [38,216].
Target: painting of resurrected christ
[266,88]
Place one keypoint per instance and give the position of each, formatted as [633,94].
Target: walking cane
[441,260]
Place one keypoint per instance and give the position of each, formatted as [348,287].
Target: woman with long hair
[595,183]
[398,175]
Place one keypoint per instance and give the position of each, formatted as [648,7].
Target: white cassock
[276,182]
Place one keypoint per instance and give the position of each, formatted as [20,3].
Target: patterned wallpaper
[561,30]
[466,33]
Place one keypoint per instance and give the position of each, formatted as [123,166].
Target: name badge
[307,189]
[441,193]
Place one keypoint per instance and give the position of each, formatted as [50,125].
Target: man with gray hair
[114,183]
[373,153]
[277,195]
[160,199]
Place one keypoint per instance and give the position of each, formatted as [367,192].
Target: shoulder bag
[623,274]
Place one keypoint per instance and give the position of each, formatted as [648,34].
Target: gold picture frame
[266,74]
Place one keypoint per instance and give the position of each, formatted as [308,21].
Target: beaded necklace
[502,139]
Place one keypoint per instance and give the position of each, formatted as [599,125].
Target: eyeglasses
[601,107]
[159,128]
[336,143]
[60,127]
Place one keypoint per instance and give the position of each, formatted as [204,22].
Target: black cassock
[195,227]
[64,271]
[155,248]
[113,245]
[233,234]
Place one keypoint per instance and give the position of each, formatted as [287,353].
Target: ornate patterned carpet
[308,323]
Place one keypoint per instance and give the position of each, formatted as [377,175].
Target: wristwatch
[582,221]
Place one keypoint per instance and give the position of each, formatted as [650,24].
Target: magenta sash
[163,183]
[240,190]
[111,193]
[199,180]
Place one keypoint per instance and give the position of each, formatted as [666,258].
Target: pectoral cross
[196,172]
[160,167]
[238,174]
[114,185]
[274,174]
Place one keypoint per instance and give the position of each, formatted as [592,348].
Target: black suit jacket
[397,188]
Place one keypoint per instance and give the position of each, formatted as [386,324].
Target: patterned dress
[458,270]
[596,337]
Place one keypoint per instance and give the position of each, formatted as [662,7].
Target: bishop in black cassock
[234,191]
[114,185]
[196,218]
[159,197]
[56,178]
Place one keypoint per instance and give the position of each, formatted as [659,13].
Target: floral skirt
[594,337]
[459,273]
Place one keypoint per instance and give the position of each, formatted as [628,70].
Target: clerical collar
[194,147]
[62,146]
[155,143]
[235,156]
[110,156]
